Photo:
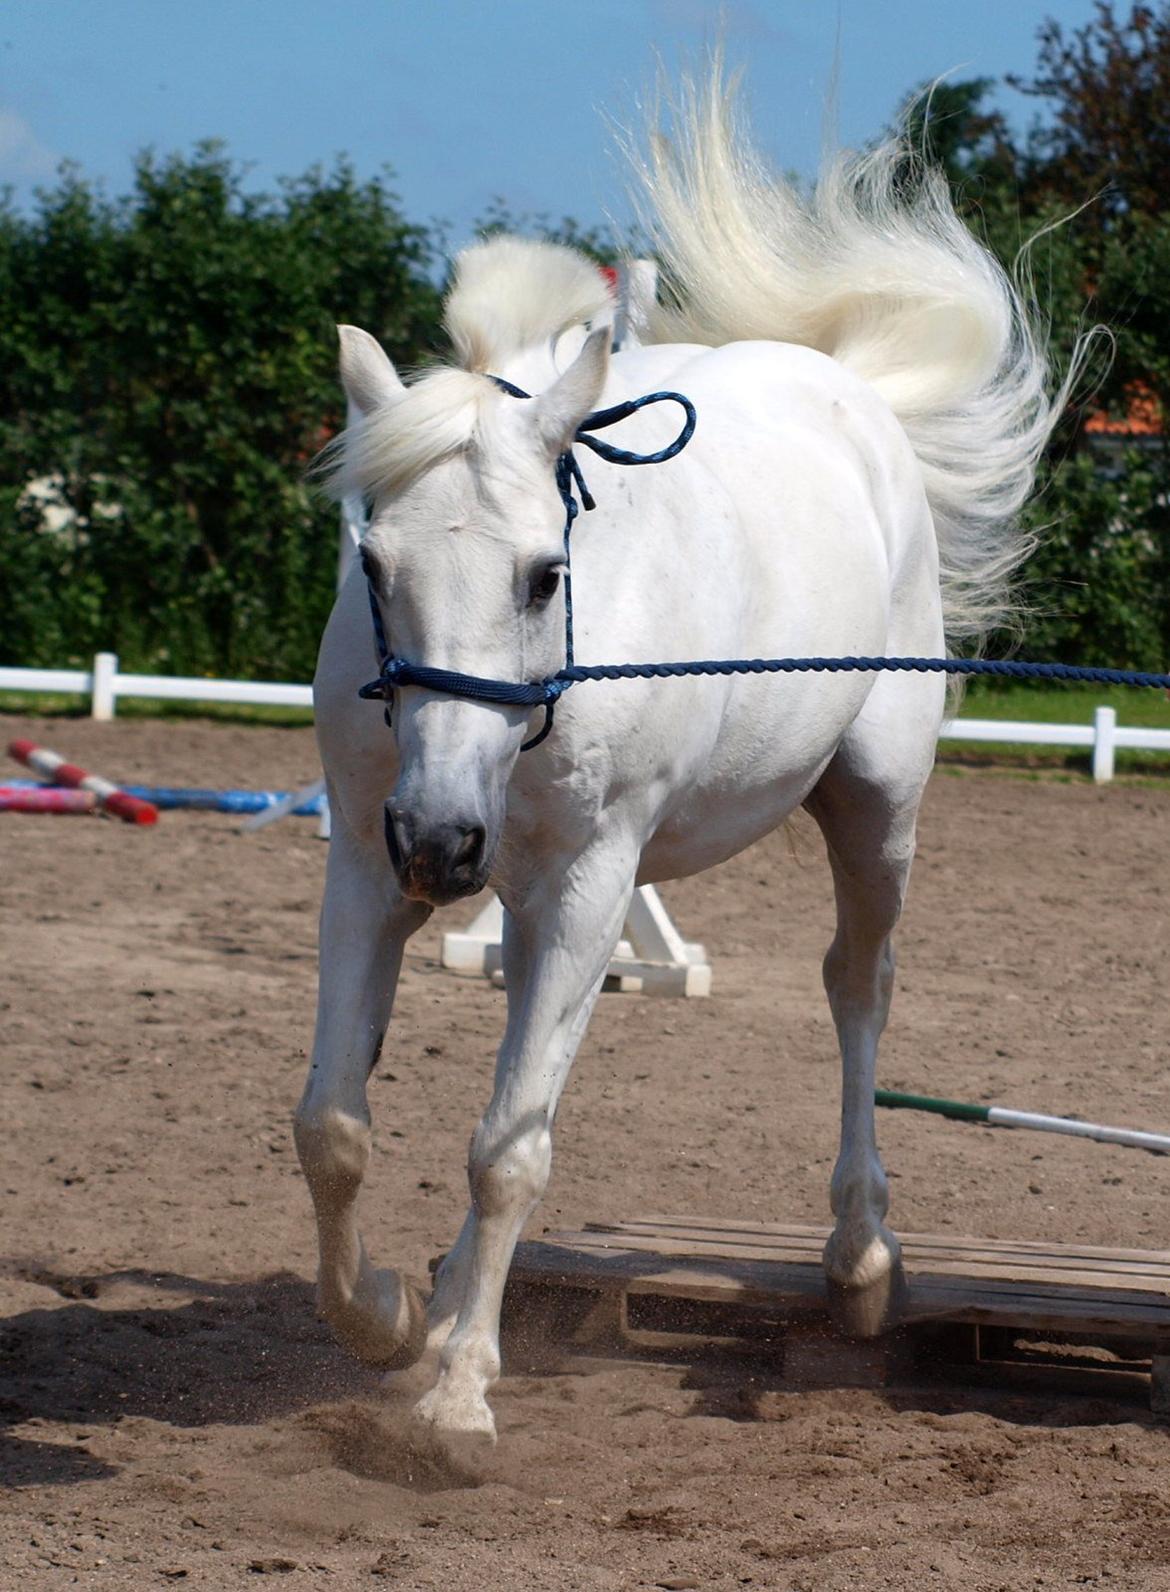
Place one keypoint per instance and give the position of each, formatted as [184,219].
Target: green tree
[1105,88]
[600,243]
[168,369]
[951,125]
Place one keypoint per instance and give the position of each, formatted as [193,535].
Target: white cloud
[23,158]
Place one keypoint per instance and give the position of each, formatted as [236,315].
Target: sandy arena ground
[173,1411]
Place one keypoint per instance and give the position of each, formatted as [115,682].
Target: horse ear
[561,409]
[369,379]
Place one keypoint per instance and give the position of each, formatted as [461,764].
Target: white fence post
[1104,741]
[105,686]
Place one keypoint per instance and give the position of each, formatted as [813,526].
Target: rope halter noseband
[394,672]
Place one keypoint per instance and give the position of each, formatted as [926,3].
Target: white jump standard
[651,959]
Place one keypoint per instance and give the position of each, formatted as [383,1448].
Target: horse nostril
[395,839]
[468,852]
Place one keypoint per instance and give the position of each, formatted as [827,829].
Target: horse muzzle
[440,862]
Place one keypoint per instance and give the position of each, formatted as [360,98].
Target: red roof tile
[1142,418]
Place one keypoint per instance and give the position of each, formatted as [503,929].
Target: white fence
[104,684]
[1104,736]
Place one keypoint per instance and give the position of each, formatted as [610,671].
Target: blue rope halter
[394,671]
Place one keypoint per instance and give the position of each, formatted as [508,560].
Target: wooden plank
[1153,1259]
[948,1240]
[958,1297]
[1131,1276]
[768,1283]
[1056,1380]
[1150,1263]
[990,1264]
[957,1242]
[629,1265]
[969,1301]
[801,1289]
[1128,1273]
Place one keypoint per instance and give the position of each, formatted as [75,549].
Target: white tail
[874,268]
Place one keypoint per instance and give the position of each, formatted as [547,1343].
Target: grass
[51,705]
[1063,704]
[1057,704]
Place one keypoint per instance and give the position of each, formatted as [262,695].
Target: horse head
[465,560]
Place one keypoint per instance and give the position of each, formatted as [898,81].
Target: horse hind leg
[869,831]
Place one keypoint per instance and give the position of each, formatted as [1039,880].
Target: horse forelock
[440,414]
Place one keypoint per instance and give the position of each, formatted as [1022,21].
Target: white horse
[871,407]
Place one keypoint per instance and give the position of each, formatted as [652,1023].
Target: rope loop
[394,672]
[600,419]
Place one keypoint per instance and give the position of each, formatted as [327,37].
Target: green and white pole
[1001,1117]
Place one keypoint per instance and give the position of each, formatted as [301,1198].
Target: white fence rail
[104,684]
[1104,736]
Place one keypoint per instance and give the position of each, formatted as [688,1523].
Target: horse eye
[544,587]
[367,564]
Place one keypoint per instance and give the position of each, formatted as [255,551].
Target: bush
[167,371]
[1098,588]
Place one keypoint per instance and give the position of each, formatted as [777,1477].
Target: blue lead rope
[393,672]
[1009,668]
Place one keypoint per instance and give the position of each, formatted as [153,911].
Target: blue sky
[464,100]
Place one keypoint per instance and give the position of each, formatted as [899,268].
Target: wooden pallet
[1070,1315]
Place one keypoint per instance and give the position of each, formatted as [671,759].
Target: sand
[171,1408]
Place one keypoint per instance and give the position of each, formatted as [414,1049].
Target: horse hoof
[384,1324]
[866,1312]
[866,1300]
[463,1435]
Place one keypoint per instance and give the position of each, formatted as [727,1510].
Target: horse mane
[508,296]
[514,294]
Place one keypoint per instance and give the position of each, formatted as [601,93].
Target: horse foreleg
[365,923]
[871,846]
[564,941]
[453,1272]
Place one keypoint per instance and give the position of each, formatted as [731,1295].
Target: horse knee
[509,1175]
[334,1149]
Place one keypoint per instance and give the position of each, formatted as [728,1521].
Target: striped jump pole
[1001,1117]
[199,798]
[30,798]
[196,799]
[51,765]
